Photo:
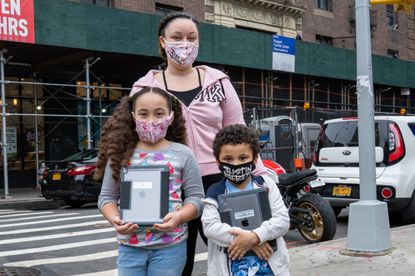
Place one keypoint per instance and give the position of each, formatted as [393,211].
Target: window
[324,40]
[323,4]
[391,17]
[393,53]
[104,3]
[162,9]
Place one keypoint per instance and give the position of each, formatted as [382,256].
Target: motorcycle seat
[287,179]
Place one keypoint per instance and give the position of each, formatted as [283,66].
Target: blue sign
[282,44]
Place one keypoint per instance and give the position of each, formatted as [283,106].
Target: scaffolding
[88,87]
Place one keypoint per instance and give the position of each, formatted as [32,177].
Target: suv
[336,160]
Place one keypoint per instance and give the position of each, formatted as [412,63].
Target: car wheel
[74,203]
[408,213]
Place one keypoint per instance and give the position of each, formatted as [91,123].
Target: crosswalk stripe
[23,214]
[61,260]
[4,212]
[39,217]
[56,247]
[112,272]
[57,236]
[201,257]
[49,221]
[64,226]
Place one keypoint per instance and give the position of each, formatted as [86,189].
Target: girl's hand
[171,221]
[123,228]
[243,242]
[263,251]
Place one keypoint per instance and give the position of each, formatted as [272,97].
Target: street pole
[368,227]
[88,104]
[4,126]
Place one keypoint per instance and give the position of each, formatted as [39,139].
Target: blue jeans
[136,261]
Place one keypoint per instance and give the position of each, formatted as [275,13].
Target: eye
[243,158]
[227,159]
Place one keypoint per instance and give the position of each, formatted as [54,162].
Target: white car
[336,160]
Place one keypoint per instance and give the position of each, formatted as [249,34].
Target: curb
[35,204]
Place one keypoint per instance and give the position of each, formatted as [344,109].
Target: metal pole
[3,115]
[88,104]
[368,227]
[36,135]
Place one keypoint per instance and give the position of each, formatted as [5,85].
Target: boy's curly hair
[235,135]
[119,137]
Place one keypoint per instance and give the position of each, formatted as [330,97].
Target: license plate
[56,176]
[316,183]
[342,191]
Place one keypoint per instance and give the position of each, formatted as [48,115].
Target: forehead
[151,100]
[182,25]
[235,150]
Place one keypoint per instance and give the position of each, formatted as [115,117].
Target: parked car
[71,179]
[336,161]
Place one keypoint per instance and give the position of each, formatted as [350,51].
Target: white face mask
[181,53]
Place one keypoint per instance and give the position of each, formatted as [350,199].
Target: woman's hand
[263,251]
[123,228]
[170,222]
[243,242]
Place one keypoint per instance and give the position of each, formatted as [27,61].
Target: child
[236,149]
[148,129]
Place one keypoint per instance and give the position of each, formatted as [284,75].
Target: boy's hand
[123,228]
[263,251]
[243,242]
[171,221]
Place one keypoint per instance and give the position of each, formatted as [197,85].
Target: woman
[209,101]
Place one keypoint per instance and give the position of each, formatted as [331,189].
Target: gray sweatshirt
[184,177]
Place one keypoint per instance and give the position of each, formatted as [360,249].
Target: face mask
[181,53]
[153,131]
[237,173]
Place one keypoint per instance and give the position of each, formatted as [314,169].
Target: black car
[71,179]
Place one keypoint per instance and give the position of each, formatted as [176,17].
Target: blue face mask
[237,174]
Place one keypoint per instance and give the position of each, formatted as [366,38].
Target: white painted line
[14,212]
[32,230]
[49,221]
[113,272]
[39,217]
[23,214]
[201,257]
[57,236]
[62,260]
[56,247]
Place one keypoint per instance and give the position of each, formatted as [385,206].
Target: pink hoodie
[215,107]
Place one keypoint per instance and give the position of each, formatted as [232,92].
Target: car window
[83,155]
[344,134]
[412,127]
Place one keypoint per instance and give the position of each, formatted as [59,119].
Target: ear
[162,42]
[132,114]
[172,117]
[256,158]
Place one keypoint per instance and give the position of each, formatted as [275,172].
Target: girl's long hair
[119,137]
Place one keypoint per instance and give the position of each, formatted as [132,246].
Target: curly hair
[119,137]
[166,20]
[235,135]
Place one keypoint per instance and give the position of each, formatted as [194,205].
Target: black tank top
[185,96]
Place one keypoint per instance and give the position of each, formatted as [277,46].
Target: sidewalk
[325,259]
[26,198]
[317,259]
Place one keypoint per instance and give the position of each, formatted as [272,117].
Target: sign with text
[283,53]
[17,21]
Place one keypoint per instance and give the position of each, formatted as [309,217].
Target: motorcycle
[309,212]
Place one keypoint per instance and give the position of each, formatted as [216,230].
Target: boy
[236,149]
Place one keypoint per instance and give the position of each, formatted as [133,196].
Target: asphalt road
[69,241]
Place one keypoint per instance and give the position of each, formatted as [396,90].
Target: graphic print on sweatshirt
[213,93]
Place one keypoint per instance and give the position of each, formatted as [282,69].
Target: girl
[148,129]
[207,97]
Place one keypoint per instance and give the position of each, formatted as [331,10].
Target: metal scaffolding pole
[36,135]
[4,133]
[88,99]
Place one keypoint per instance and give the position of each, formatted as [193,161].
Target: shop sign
[283,53]
[17,21]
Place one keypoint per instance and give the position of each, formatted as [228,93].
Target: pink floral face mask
[182,53]
[153,131]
